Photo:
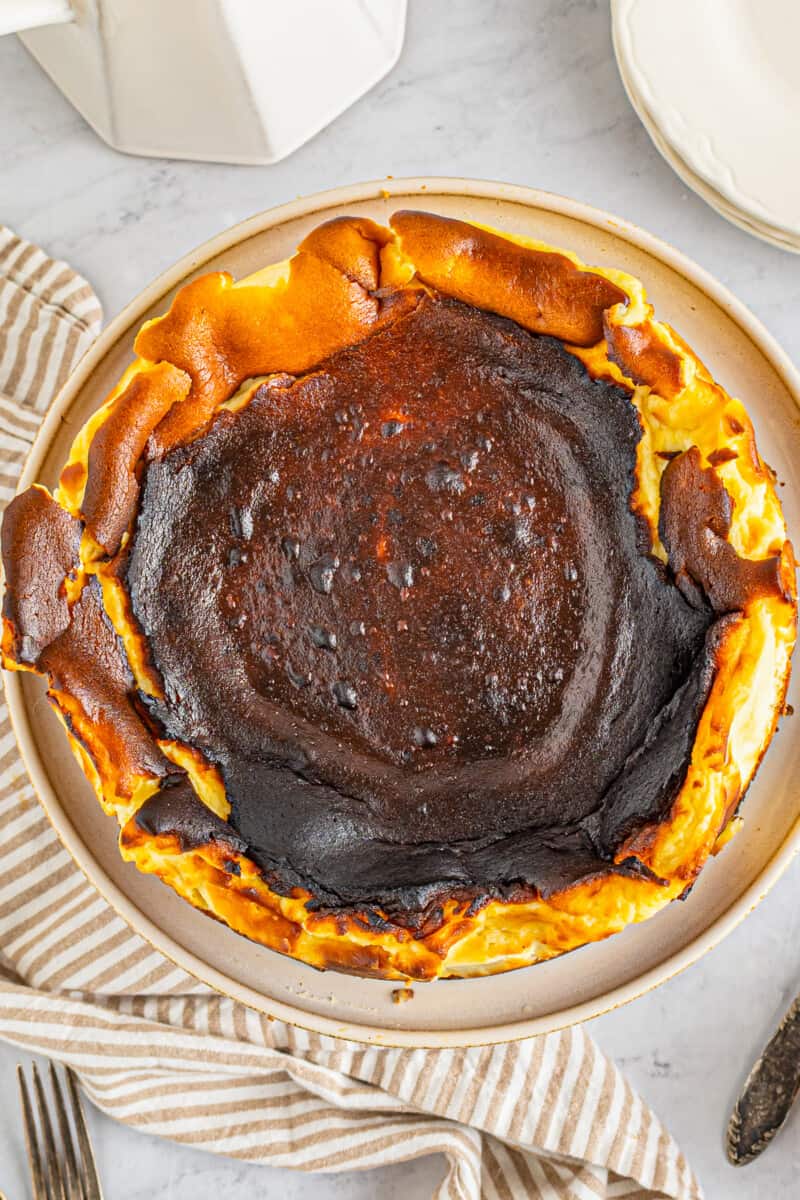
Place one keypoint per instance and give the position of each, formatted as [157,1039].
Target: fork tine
[55,1182]
[72,1179]
[31,1140]
[91,1182]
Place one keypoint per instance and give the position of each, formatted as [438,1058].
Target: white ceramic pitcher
[244,81]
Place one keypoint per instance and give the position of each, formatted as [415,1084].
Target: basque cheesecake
[419,606]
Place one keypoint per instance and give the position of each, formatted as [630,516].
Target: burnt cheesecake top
[403,603]
[419,606]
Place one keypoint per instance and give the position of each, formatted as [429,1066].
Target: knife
[768,1093]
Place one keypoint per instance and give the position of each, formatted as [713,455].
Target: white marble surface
[525,91]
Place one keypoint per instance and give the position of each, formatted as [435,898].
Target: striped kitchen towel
[550,1117]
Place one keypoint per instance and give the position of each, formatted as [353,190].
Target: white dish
[767,233]
[720,80]
[743,356]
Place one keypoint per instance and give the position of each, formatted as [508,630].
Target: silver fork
[64,1174]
